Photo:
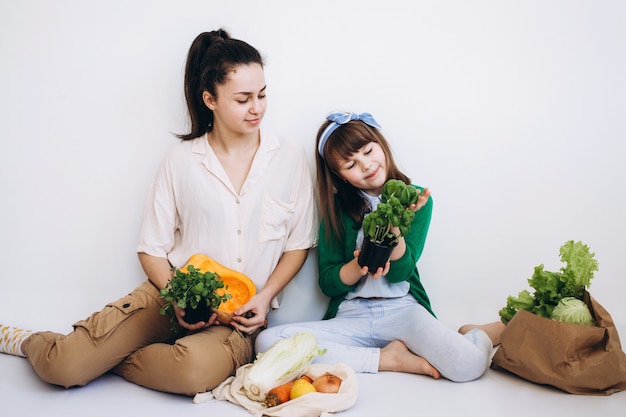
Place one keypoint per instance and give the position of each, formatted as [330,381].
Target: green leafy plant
[551,287]
[572,310]
[392,211]
[192,289]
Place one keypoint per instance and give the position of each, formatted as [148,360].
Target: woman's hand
[251,316]
[180,314]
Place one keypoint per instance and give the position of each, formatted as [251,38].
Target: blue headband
[339,118]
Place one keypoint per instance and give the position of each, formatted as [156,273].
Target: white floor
[385,394]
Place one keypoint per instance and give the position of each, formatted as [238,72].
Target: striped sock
[11,339]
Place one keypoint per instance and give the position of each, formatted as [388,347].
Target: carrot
[280,394]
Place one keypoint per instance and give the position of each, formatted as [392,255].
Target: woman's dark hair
[211,57]
[332,189]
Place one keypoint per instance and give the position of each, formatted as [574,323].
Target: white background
[512,112]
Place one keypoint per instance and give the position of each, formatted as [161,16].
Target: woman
[221,191]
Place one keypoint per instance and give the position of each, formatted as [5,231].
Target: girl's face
[241,102]
[366,169]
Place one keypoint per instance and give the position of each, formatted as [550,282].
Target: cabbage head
[284,361]
[572,310]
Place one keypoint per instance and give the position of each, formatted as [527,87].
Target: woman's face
[366,169]
[241,102]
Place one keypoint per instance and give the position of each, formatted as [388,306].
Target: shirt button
[239,260]
[239,231]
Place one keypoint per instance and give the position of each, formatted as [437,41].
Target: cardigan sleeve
[332,255]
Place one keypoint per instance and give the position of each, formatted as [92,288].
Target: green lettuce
[550,287]
[572,310]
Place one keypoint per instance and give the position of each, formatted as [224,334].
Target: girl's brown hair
[335,194]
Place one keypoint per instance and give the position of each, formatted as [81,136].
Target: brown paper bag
[575,358]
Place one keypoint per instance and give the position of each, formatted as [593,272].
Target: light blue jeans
[363,326]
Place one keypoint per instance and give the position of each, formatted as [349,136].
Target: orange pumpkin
[239,286]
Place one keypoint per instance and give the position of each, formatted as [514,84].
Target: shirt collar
[372,200]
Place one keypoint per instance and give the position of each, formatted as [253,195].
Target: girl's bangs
[343,145]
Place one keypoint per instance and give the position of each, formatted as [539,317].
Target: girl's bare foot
[493,330]
[397,357]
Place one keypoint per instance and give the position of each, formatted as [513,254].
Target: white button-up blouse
[192,208]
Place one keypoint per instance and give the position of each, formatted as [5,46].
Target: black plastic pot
[375,255]
[200,313]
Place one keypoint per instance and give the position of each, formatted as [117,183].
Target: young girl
[220,191]
[377,320]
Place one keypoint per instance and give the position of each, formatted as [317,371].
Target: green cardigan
[331,257]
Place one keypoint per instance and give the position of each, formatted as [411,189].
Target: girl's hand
[365,270]
[180,313]
[421,200]
[380,271]
[251,315]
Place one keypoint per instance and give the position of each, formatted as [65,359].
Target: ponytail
[211,57]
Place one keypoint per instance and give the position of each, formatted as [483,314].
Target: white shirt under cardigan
[192,208]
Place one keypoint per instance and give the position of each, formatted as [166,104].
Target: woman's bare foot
[397,357]
[493,330]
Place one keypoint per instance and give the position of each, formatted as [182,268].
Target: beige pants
[131,338]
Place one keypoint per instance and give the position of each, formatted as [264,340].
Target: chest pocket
[274,219]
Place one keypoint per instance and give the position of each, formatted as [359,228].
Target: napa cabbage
[283,362]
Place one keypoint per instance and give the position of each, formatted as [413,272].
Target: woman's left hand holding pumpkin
[251,316]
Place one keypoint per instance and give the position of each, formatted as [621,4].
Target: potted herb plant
[195,292]
[392,211]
